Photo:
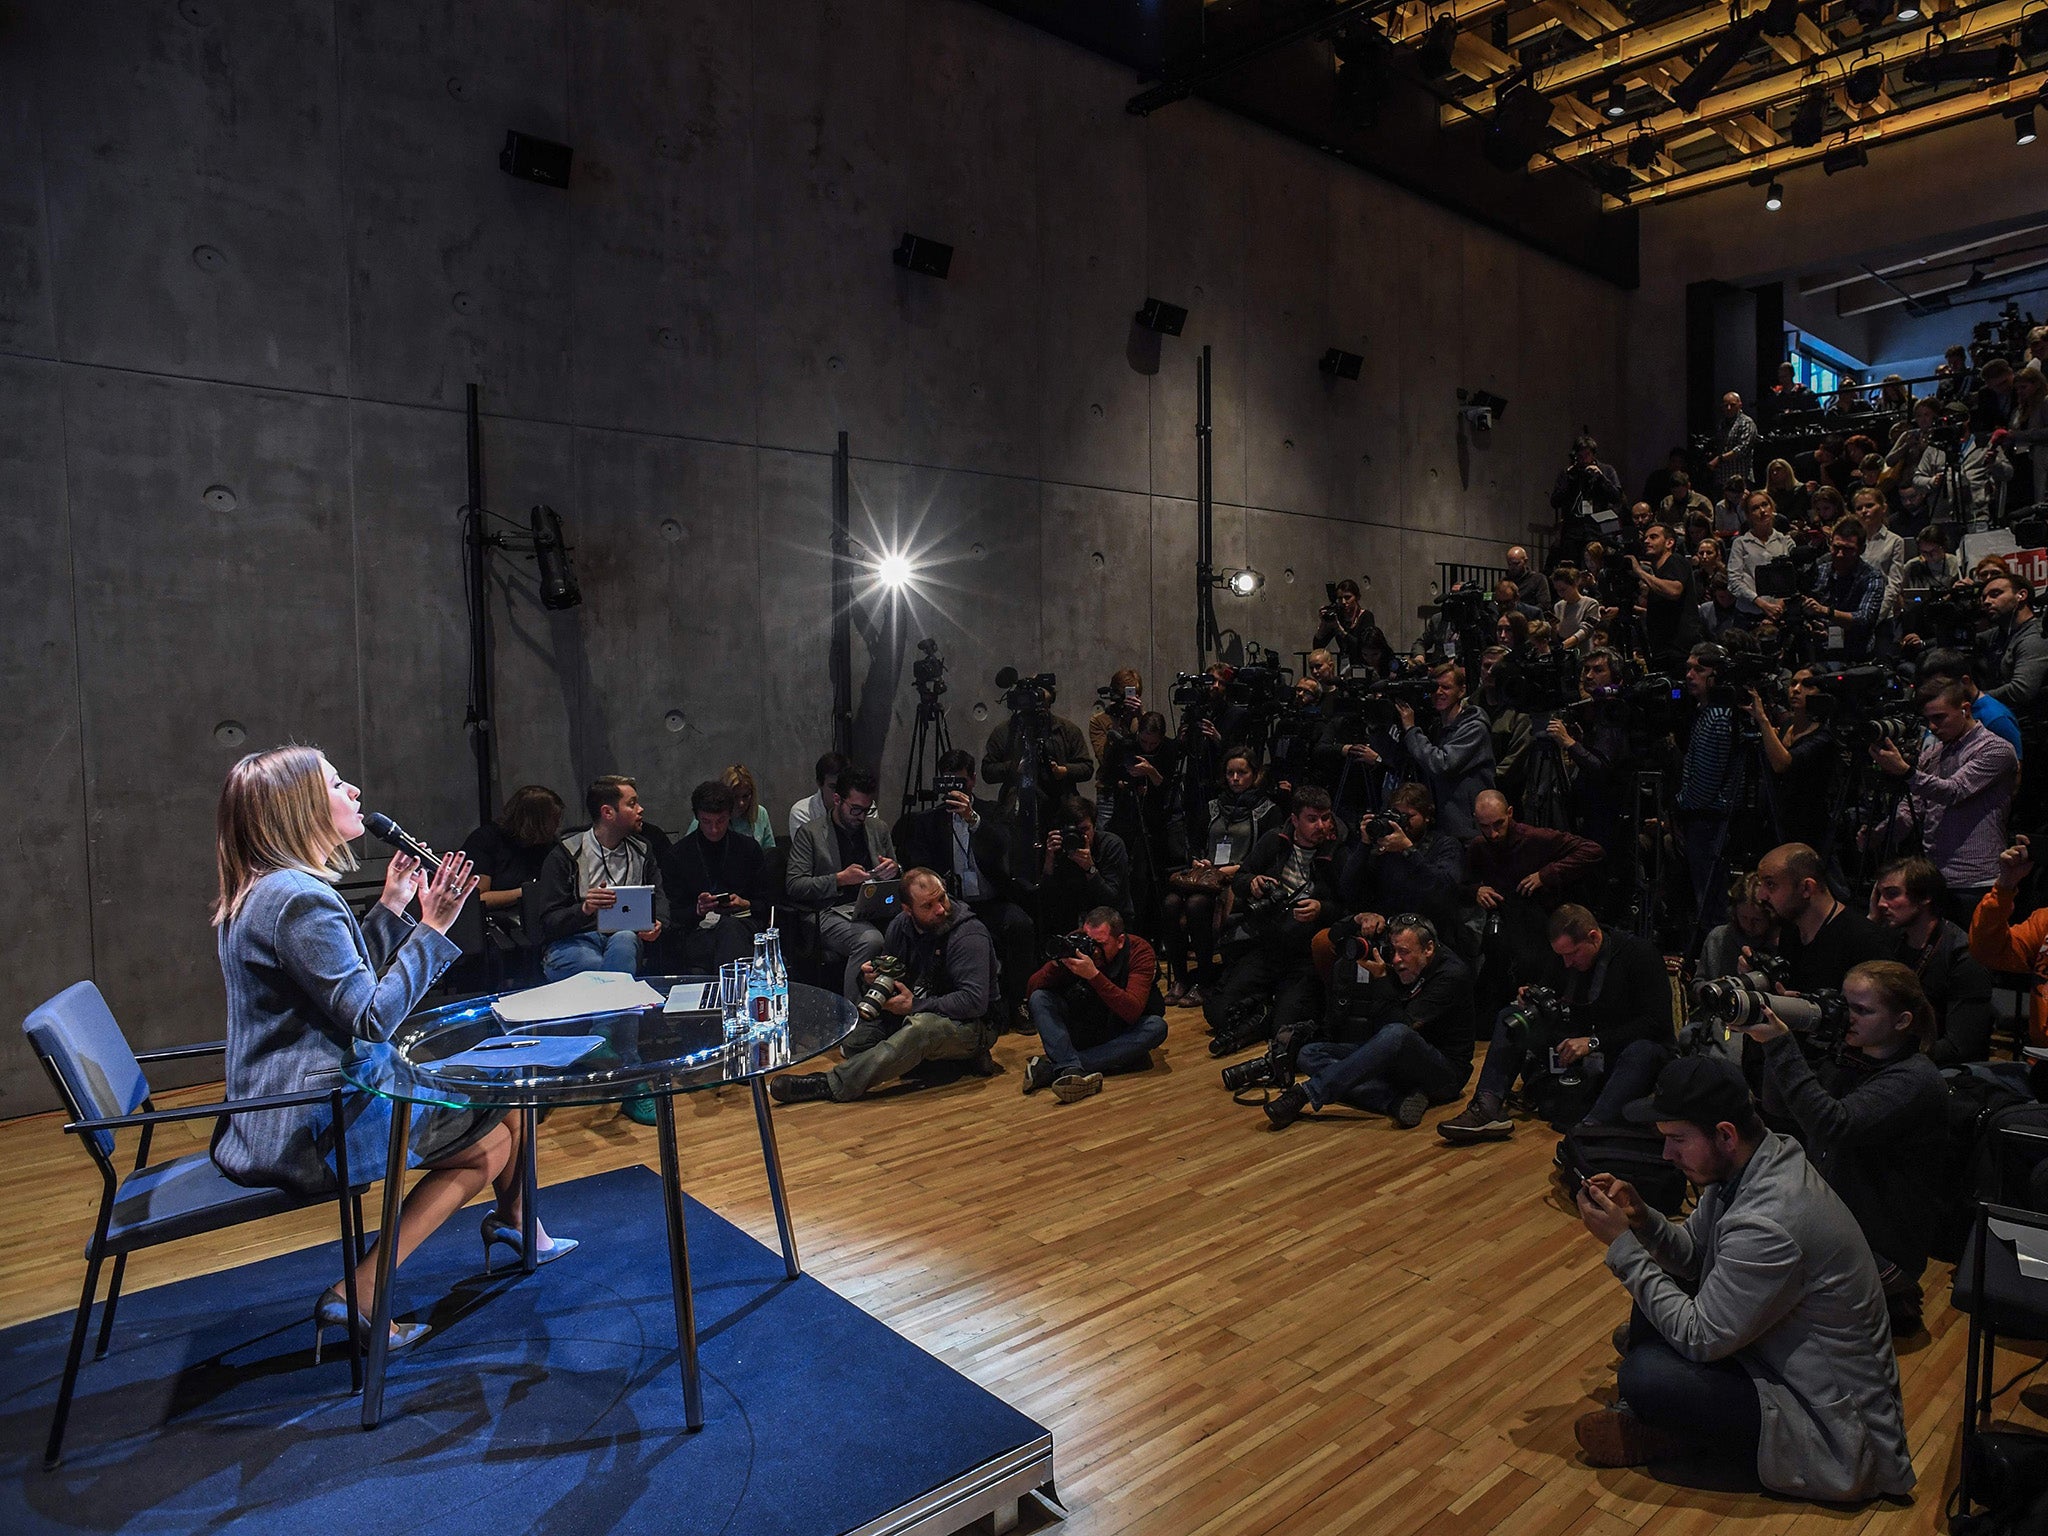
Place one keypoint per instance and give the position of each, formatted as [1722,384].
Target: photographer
[1345,627]
[1962,786]
[1236,820]
[1802,757]
[2000,944]
[1750,927]
[1876,1128]
[1512,860]
[1934,568]
[1847,592]
[1597,743]
[1064,760]
[1118,707]
[1758,1332]
[1269,955]
[1584,486]
[1620,1000]
[1139,767]
[1401,862]
[1399,1033]
[943,1014]
[1671,598]
[1455,756]
[1509,726]
[1303,746]
[1907,900]
[1921,459]
[1530,586]
[968,843]
[1097,1012]
[1822,937]
[1083,867]
[1756,546]
[1959,667]
[1712,779]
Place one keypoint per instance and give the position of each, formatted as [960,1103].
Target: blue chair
[101,1084]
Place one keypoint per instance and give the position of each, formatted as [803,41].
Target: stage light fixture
[1433,57]
[1617,101]
[1909,10]
[1643,150]
[1722,57]
[2023,127]
[1158,315]
[1809,122]
[1610,178]
[929,258]
[1952,64]
[1774,198]
[1520,128]
[1781,18]
[1844,157]
[1244,583]
[2034,33]
[1866,84]
[1339,364]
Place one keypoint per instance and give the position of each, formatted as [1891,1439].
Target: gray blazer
[1779,1277]
[814,864]
[304,982]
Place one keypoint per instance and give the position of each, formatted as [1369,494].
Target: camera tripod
[1752,810]
[929,735]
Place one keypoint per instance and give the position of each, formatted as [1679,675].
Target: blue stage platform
[543,1404]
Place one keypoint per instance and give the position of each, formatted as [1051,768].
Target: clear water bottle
[778,976]
[760,990]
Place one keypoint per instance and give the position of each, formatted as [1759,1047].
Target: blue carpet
[545,1404]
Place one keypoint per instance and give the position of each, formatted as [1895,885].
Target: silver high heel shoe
[331,1311]
[499,1231]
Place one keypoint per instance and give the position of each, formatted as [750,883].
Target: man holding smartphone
[717,881]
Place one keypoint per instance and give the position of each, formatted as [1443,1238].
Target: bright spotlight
[1245,582]
[894,572]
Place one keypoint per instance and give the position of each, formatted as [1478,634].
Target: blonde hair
[274,814]
[739,778]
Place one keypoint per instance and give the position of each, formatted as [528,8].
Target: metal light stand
[842,601]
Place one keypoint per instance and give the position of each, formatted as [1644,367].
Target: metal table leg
[387,1262]
[529,1192]
[770,1154]
[679,1261]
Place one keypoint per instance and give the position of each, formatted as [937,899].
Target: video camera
[1120,704]
[1375,699]
[1538,684]
[928,672]
[1538,1021]
[1819,1019]
[1026,695]
[1790,574]
[1949,613]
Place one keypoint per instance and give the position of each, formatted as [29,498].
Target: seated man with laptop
[844,869]
[600,897]
[717,877]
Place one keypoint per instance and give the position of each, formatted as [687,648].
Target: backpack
[1976,1162]
[1633,1153]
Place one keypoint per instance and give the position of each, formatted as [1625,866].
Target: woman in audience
[1787,494]
[306,982]
[1876,1128]
[1197,896]
[508,852]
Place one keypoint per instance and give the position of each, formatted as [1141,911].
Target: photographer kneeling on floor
[1619,1000]
[1097,1010]
[1758,1336]
[1400,1033]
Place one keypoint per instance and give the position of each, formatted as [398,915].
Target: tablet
[632,912]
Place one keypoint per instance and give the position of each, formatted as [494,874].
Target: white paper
[2029,1244]
[574,996]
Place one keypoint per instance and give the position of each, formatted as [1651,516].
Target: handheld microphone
[385,830]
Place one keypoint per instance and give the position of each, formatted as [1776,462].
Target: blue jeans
[591,951]
[1377,1075]
[1130,1051]
[1630,1075]
[1711,1403]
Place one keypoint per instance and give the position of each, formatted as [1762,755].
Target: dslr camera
[1819,1019]
[1072,946]
[889,969]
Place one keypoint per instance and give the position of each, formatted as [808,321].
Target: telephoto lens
[873,994]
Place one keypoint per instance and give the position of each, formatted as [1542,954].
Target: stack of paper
[575,996]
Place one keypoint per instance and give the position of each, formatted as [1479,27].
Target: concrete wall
[251,251]
[1958,179]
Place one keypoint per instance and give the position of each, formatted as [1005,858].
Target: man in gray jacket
[830,860]
[942,1015]
[1759,1332]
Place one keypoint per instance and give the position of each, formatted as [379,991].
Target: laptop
[879,901]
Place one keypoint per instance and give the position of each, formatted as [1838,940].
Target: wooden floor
[1343,1327]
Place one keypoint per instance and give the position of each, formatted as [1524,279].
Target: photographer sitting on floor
[940,1011]
[1758,1335]
[1285,890]
[1400,1032]
[1619,1001]
[1097,1011]
[1875,1127]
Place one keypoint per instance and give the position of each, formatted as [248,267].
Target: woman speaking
[305,981]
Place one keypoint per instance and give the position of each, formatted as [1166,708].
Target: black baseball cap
[1703,1089]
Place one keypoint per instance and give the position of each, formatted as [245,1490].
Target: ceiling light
[1909,10]
[1643,150]
[1781,18]
[1809,123]
[1617,101]
[1994,63]
[1866,84]
[2023,127]
[1433,57]
[1774,199]
[1844,157]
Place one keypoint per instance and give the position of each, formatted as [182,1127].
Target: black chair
[2000,1299]
[101,1084]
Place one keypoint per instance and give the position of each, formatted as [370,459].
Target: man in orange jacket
[1996,941]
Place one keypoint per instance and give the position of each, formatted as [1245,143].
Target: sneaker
[1039,1072]
[1021,1022]
[640,1111]
[1409,1112]
[1620,1340]
[797,1087]
[1077,1085]
[1614,1437]
[1482,1120]
[985,1064]
[1285,1107]
[1192,997]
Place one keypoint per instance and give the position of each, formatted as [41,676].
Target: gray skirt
[439,1133]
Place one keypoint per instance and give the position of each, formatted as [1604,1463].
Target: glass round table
[462,1056]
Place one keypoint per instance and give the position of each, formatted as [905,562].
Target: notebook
[513,1053]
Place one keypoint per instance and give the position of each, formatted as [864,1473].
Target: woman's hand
[401,883]
[1767,1027]
[444,895]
